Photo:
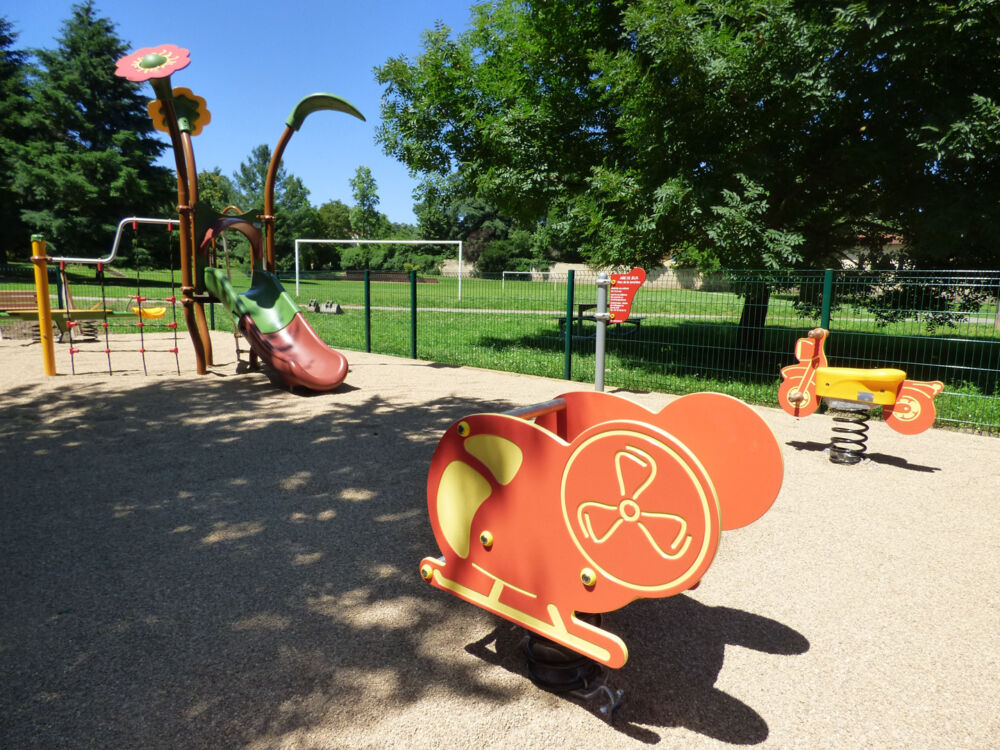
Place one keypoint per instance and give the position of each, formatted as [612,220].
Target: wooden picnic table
[582,308]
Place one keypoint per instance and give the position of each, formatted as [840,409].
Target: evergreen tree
[14,71]
[251,176]
[89,158]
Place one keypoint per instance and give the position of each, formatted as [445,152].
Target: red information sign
[623,289]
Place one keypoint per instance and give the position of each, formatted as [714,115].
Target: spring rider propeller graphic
[907,405]
[596,503]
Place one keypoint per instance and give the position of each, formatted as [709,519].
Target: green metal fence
[730,332]
[686,333]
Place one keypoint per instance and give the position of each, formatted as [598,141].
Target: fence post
[824,321]
[413,314]
[568,330]
[996,318]
[368,311]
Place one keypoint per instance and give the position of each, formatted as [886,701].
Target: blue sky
[253,60]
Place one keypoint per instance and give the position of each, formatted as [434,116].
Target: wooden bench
[18,299]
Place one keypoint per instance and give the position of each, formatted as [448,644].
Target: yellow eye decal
[463,429]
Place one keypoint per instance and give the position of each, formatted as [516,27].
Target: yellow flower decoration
[192,112]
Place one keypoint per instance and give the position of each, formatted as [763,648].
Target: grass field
[687,340]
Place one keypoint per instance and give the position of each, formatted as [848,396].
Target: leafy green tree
[740,133]
[508,101]
[513,253]
[433,200]
[295,217]
[14,71]
[89,158]
[507,106]
[921,85]
[333,222]
[216,193]
[445,210]
[366,221]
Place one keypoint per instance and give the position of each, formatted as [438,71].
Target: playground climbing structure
[284,341]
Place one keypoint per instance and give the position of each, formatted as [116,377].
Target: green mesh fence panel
[730,332]
[934,326]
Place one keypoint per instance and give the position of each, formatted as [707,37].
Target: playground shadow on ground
[677,648]
[879,458]
[209,563]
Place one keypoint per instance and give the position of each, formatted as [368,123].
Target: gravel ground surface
[215,562]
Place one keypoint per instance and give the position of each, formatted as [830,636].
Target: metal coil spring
[849,443]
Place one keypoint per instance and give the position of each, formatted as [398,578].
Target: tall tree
[432,206]
[746,133]
[755,133]
[90,158]
[295,217]
[365,217]
[921,83]
[447,209]
[251,177]
[14,70]
[333,222]
[508,105]
[217,191]
[298,219]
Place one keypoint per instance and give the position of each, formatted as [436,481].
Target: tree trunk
[750,352]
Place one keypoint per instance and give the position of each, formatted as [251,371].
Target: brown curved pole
[186,225]
[272,175]
[249,231]
[240,225]
[199,307]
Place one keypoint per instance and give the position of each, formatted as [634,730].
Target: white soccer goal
[379,242]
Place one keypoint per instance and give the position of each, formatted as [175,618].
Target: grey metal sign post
[601,317]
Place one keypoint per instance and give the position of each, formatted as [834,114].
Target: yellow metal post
[40,260]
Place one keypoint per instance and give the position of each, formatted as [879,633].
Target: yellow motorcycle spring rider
[907,405]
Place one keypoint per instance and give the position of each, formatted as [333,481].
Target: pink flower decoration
[153,62]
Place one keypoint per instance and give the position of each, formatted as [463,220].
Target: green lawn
[687,340]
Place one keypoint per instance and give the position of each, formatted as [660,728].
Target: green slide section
[266,302]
